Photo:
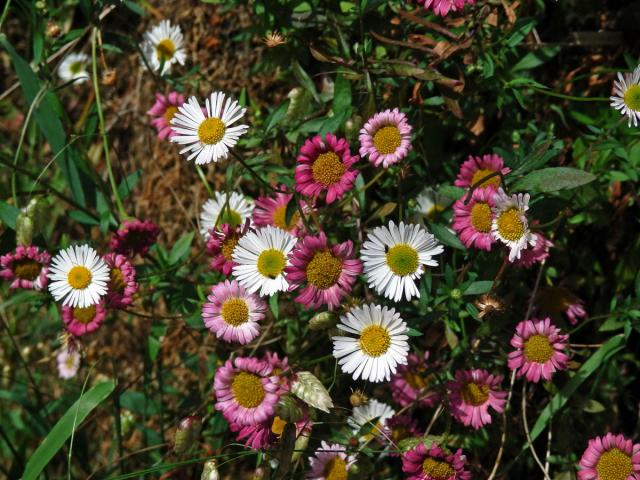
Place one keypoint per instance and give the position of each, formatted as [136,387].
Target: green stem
[4,13]
[570,97]
[204,180]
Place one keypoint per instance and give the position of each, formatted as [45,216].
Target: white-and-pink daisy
[122,284]
[82,321]
[162,113]
[386,138]
[472,220]
[433,463]
[26,268]
[472,393]
[536,254]
[330,462]
[272,210]
[68,361]
[612,457]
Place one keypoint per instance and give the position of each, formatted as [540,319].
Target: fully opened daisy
[78,276]
[433,463]
[261,258]
[68,361]
[626,95]
[246,391]
[325,166]
[267,434]
[74,68]
[232,313]
[373,415]
[122,284]
[471,395]
[272,210]
[474,169]
[134,237]
[163,46]
[510,224]
[163,111]
[472,220]
[410,384]
[81,321]
[222,241]
[327,272]
[208,136]
[378,347]
[612,457]
[26,268]
[330,462]
[386,138]
[231,208]
[395,257]
[540,350]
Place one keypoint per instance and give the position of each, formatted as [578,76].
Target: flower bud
[322,321]
[210,471]
[311,391]
[187,434]
[127,421]
[53,29]
[358,398]
[24,229]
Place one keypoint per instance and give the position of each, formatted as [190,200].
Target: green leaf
[445,236]
[273,305]
[181,249]
[82,217]
[554,179]
[304,80]
[62,430]
[8,214]
[129,183]
[479,287]
[412,332]
[535,58]
[276,116]
[341,94]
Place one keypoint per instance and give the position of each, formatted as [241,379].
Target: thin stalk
[4,13]
[570,97]
[204,180]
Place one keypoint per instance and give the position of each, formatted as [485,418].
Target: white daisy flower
[74,67]
[510,224]
[208,137]
[395,256]
[431,203]
[68,363]
[163,45]
[374,414]
[78,277]
[380,344]
[217,211]
[261,257]
[626,96]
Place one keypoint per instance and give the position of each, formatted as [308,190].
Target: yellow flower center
[228,245]
[485,172]
[277,426]
[434,211]
[335,469]
[327,169]
[416,380]
[324,269]
[271,263]
[79,277]
[402,259]
[510,225]
[474,394]
[116,282]
[84,315]
[76,67]
[235,311]
[26,269]
[632,97]
[538,349]
[437,469]
[614,464]
[211,131]
[387,139]
[230,217]
[481,217]
[69,361]
[280,218]
[374,340]
[247,390]
[169,113]
[165,49]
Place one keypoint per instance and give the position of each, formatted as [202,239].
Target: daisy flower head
[443,7]
[324,166]
[386,138]
[576,311]
[472,220]
[395,257]
[134,237]
[246,391]
[122,284]
[208,135]
[472,393]
[78,276]
[26,268]
[231,208]
[267,434]
[261,257]
[537,254]
[163,46]
[222,241]
[232,313]
[540,350]
[430,203]
[327,272]
[378,347]
[373,414]
[474,169]
[510,224]
[74,68]
[80,321]
[330,462]
[410,384]
[68,361]
[163,111]
[272,210]
[433,463]
[402,427]
[626,95]
[612,457]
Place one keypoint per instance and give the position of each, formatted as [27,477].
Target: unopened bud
[53,29]
[24,229]
[358,398]
[311,391]
[187,434]
[456,294]
[322,321]
[127,421]
[210,471]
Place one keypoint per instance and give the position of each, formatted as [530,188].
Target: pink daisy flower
[329,462]
[386,138]
[433,463]
[472,393]
[267,434]
[402,427]
[539,350]
[411,382]
[612,457]
[273,211]
[442,7]
[134,237]
[324,165]
[472,221]
[232,313]
[26,268]
[163,111]
[82,321]
[246,391]
[122,281]
[475,169]
[220,245]
[559,300]
[536,254]
[576,311]
[327,271]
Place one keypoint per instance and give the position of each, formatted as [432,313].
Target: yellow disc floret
[324,269]
[79,277]
[387,139]
[247,390]
[211,131]
[374,340]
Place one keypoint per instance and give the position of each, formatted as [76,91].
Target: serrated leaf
[553,179]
